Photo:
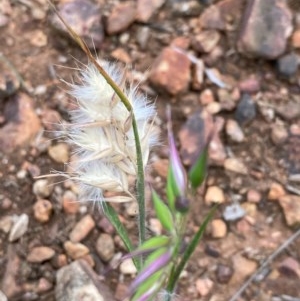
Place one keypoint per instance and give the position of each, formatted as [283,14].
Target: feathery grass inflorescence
[102,135]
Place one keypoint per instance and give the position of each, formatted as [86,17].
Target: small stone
[3,22]
[235,165]
[40,254]
[42,210]
[22,123]
[213,108]
[120,54]
[234,131]
[233,212]
[279,134]
[226,100]
[3,297]
[78,282]
[198,74]
[214,195]
[253,196]
[82,229]
[70,202]
[121,291]
[291,209]
[224,15]
[290,267]
[224,273]
[250,85]
[142,36]
[183,43]
[242,267]
[127,267]
[216,151]
[60,260]
[276,192]
[59,152]
[50,118]
[191,8]
[84,17]
[218,228]
[19,227]
[43,285]
[246,110]
[6,223]
[296,39]
[105,225]
[171,71]
[250,209]
[243,226]
[121,17]
[146,9]
[267,26]
[206,41]
[6,203]
[155,226]
[287,65]
[42,188]
[75,250]
[105,247]
[132,209]
[206,97]
[204,286]
[289,110]
[38,38]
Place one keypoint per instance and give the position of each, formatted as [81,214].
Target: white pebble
[19,227]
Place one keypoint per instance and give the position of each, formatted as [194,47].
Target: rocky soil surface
[227,66]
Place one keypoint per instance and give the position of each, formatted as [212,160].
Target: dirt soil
[231,251]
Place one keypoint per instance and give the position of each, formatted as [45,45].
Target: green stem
[187,254]
[111,214]
[140,185]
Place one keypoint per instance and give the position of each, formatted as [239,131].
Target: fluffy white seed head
[102,136]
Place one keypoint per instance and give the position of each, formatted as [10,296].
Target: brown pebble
[121,291]
[75,250]
[70,201]
[224,273]
[276,191]
[60,260]
[218,228]
[40,254]
[82,229]
[171,71]
[105,247]
[296,39]
[214,194]
[279,134]
[59,152]
[207,97]
[42,210]
[6,203]
[43,285]
[121,17]
[204,286]
[253,196]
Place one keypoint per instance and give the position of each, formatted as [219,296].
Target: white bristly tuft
[102,136]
